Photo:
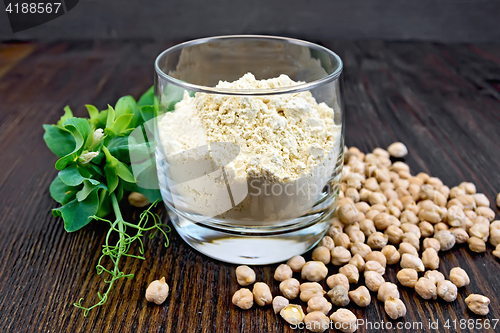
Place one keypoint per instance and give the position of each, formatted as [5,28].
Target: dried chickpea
[380,208]
[356,235]
[426,288]
[407,248]
[481,200]
[340,256]
[293,314]
[334,230]
[157,291]
[243,299]
[467,201]
[377,198]
[440,226]
[407,216]
[411,228]
[282,272]
[411,261]
[411,238]
[397,149]
[316,321]
[352,193]
[476,245]
[279,302]
[351,272]
[461,236]
[344,320]
[309,290]
[387,290]
[394,234]
[262,294]
[426,192]
[327,242]
[296,263]
[426,229]
[456,216]
[382,175]
[358,261]
[432,243]
[290,288]
[480,230]
[362,207]
[360,248]
[430,259]
[399,166]
[394,308]
[486,212]
[446,239]
[319,303]
[321,253]
[478,304]
[434,276]
[373,280]
[245,275]
[468,187]
[496,251]
[315,270]
[459,277]
[347,213]
[447,290]
[339,296]
[380,152]
[391,254]
[387,185]
[391,195]
[377,240]
[384,220]
[377,256]
[364,194]
[372,184]
[342,240]
[367,227]
[407,277]
[374,266]
[337,280]
[361,296]
[445,190]
[494,234]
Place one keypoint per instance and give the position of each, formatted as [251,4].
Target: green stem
[119,219]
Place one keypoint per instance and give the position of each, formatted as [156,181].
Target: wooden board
[442,100]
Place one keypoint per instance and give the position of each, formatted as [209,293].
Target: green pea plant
[95,174]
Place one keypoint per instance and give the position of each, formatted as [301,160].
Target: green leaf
[126,105]
[67,115]
[111,117]
[124,173]
[61,192]
[93,111]
[59,140]
[111,178]
[88,187]
[121,124]
[80,129]
[147,112]
[72,177]
[147,98]
[77,214]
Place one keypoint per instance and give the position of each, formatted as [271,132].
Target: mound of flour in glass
[288,147]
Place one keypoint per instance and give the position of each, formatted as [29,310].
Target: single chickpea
[496,251]
[316,321]
[398,150]
[293,314]
[467,201]
[380,208]
[377,240]
[434,276]
[407,277]
[315,270]
[243,299]
[347,213]
[377,198]
[478,304]
[445,190]
[296,263]
[362,207]
[371,184]
[157,291]
[431,243]
[394,308]
[412,261]
[469,188]
[352,193]
[356,235]
[430,259]
[358,261]
[279,302]
[446,239]
[364,194]
[494,235]
[245,275]
[391,254]
[321,253]
[334,230]
[340,256]
[480,230]
[459,277]
[426,288]
[262,294]
[382,175]
[399,166]
[440,226]
[387,185]
[407,248]
[377,256]
[477,245]
[461,236]
[383,220]
[351,272]
[407,216]
[361,296]
[337,280]
[339,296]
[435,182]
[447,290]
[282,273]
[309,290]
[456,216]
[319,303]
[411,238]
[345,320]
[386,290]
[367,227]
[342,240]
[394,234]
[373,280]
[426,229]
[374,266]
[426,192]
[360,248]
[290,288]
[481,200]
[327,242]
[486,212]
[422,175]
[411,228]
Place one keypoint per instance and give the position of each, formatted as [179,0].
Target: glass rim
[256,92]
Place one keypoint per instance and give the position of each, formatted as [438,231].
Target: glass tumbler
[249,153]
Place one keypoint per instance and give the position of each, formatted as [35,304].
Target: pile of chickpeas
[384,216]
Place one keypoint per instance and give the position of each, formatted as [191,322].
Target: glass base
[250,247]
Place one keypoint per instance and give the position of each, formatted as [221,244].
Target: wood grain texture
[442,100]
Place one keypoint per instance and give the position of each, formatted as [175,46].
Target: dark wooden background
[442,100]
